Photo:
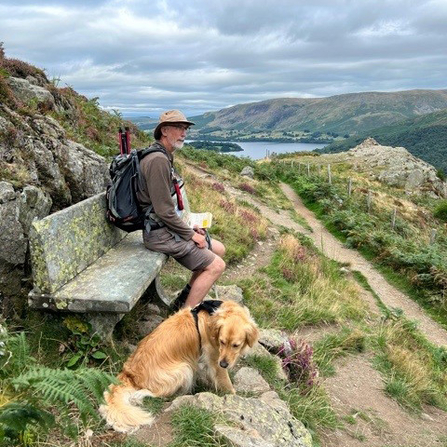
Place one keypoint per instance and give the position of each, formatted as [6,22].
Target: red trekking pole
[127,139]
[120,140]
[179,195]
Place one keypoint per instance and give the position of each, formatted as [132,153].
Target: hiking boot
[180,301]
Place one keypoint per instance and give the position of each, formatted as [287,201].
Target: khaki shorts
[185,252]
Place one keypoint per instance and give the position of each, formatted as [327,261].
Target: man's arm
[157,175]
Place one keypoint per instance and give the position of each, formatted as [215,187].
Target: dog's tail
[121,411]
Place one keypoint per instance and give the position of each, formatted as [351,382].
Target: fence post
[308,169]
[329,174]
[299,168]
[433,236]
[393,218]
[292,164]
[369,201]
[349,187]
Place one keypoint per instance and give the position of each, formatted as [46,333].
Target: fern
[15,417]
[64,387]
[17,357]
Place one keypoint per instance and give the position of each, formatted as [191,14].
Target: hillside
[351,113]
[53,148]
[424,137]
[342,350]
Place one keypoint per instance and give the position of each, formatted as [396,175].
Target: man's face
[175,135]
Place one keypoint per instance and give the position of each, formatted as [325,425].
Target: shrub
[298,364]
[247,188]
[441,211]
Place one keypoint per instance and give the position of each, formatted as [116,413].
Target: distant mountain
[424,136]
[143,122]
[351,113]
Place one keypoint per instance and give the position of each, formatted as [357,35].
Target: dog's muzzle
[223,364]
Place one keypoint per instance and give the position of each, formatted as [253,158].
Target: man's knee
[217,267]
[218,248]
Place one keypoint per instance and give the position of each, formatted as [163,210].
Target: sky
[143,57]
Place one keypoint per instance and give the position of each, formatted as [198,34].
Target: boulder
[273,339]
[27,92]
[248,380]
[13,243]
[248,171]
[264,421]
[86,172]
[17,211]
[226,293]
[33,204]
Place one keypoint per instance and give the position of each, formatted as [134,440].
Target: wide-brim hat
[170,117]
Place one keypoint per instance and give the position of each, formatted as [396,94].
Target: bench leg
[104,323]
[156,290]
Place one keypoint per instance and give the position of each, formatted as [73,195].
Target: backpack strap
[209,306]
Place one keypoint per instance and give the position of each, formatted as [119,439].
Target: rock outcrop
[255,421]
[41,170]
[396,167]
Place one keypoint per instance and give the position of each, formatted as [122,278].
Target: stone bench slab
[113,284]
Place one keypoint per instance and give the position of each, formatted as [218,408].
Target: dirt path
[372,419]
[334,249]
[390,296]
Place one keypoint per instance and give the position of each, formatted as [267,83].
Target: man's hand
[199,230]
[199,240]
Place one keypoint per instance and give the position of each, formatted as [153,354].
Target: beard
[178,144]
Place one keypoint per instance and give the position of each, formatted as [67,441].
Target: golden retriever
[165,362]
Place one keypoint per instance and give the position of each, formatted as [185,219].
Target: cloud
[145,56]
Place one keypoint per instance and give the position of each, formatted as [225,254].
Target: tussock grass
[195,427]
[415,371]
[302,288]
[333,346]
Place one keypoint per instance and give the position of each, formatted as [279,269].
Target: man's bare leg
[216,247]
[203,281]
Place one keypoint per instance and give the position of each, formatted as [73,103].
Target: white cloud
[146,56]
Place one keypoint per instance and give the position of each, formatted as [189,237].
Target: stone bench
[83,264]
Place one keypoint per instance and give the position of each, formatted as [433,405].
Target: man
[168,233]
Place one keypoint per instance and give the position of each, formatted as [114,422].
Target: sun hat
[170,117]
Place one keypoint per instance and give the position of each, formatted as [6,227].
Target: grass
[195,427]
[415,371]
[301,288]
[312,408]
[332,346]
[237,226]
[402,256]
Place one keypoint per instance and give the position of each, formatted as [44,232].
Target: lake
[256,149]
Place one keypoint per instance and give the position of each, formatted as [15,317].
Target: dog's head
[234,331]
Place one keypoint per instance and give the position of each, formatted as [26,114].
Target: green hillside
[423,136]
[351,113]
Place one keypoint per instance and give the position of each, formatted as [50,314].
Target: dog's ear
[215,327]
[251,334]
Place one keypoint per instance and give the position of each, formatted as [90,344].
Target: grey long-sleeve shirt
[156,171]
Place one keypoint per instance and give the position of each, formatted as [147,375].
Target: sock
[181,298]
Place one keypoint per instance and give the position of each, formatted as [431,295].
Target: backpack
[123,209]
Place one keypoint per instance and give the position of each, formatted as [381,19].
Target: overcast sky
[143,57]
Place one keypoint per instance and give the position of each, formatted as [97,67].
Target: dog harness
[209,306]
